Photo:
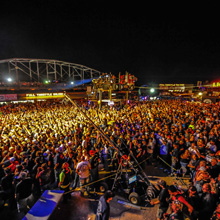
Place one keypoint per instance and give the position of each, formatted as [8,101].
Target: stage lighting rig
[107,83]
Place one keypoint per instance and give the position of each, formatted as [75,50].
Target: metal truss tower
[39,70]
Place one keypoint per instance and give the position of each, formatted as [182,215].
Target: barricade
[45,205]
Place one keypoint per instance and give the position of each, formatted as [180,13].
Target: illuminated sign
[216,84]
[173,87]
[44,95]
[8,97]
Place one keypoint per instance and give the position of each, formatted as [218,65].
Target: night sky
[157,43]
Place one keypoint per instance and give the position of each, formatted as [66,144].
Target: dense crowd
[50,144]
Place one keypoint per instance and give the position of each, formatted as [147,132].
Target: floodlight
[152,90]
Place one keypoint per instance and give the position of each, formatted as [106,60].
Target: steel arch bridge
[39,70]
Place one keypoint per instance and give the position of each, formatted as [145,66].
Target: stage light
[9,79]
[72,83]
[200,93]
[152,90]
[111,103]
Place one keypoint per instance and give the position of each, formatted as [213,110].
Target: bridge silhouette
[41,70]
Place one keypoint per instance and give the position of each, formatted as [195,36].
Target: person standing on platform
[162,200]
[58,161]
[82,169]
[65,178]
[94,161]
[103,210]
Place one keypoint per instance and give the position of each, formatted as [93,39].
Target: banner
[8,97]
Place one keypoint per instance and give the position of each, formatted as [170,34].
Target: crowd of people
[46,145]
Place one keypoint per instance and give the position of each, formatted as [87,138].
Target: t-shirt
[83,168]
[163,150]
[44,177]
[103,210]
[175,152]
[6,182]
[58,160]
[208,204]
[24,188]
[94,161]
[13,166]
[163,197]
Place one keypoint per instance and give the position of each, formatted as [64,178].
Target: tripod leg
[119,172]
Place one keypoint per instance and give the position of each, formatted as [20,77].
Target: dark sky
[157,43]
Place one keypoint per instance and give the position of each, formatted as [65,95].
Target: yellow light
[216,84]
[45,97]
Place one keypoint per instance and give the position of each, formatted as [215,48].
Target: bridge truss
[39,70]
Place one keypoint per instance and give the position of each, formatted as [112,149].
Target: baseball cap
[12,159]
[92,152]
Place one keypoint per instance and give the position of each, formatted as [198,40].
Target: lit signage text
[216,84]
[44,95]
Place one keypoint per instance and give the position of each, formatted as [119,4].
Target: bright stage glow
[152,90]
